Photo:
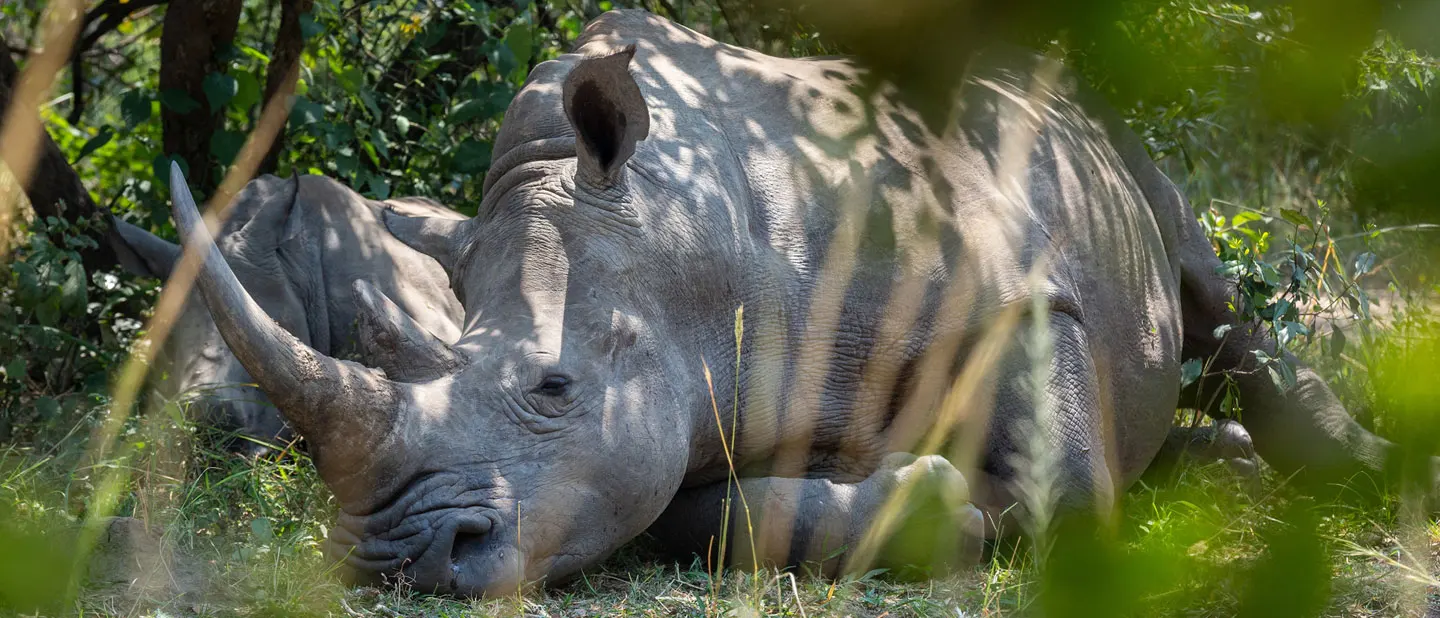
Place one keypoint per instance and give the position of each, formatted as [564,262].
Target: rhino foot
[1225,441]
[936,528]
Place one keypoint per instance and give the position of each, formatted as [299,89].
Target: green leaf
[135,108]
[178,101]
[381,142]
[1337,343]
[1295,216]
[468,110]
[308,26]
[345,164]
[1243,218]
[471,156]
[219,89]
[1364,262]
[1220,330]
[305,112]
[14,370]
[379,187]
[73,293]
[247,92]
[1190,372]
[225,145]
[503,59]
[351,79]
[94,143]
[520,40]
[368,98]
[47,407]
[263,529]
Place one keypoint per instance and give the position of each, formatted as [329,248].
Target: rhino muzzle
[438,537]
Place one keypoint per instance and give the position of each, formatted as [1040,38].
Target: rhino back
[767,165]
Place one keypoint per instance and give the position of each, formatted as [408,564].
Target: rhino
[296,246]
[710,287]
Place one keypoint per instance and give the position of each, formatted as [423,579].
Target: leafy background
[1303,133]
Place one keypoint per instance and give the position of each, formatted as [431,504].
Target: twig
[114,13]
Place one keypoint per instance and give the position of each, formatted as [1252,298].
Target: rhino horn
[393,341]
[345,410]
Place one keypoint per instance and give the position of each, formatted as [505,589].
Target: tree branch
[109,14]
[289,43]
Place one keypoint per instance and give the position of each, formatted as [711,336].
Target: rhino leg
[1302,428]
[1057,461]
[1226,441]
[819,524]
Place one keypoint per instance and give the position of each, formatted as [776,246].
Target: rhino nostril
[470,538]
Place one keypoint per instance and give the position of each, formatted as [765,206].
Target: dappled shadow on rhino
[295,245]
[710,291]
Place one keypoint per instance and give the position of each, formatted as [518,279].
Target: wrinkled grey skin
[296,246]
[639,196]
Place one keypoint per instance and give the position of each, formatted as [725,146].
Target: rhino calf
[296,246]
[1019,285]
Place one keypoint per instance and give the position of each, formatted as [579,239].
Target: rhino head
[197,362]
[554,430]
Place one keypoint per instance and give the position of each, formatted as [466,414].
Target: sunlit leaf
[100,139]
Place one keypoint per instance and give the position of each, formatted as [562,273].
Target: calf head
[553,431]
[196,363]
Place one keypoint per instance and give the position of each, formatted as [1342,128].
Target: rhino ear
[394,342]
[274,218]
[608,114]
[429,235]
[142,253]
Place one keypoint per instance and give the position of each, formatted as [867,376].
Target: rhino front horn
[345,410]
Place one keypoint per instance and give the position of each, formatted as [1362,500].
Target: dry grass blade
[21,139]
[172,298]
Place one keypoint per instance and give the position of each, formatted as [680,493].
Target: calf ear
[432,236]
[142,253]
[608,114]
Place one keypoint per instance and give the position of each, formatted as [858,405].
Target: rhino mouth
[442,536]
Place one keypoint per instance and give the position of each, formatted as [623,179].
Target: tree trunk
[54,188]
[289,42]
[194,32]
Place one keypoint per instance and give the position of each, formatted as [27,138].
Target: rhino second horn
[393,341]
[345,410]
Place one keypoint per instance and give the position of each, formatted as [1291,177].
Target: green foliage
[61,330]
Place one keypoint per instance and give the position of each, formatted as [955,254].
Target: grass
[242,538]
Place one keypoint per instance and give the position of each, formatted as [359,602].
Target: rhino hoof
[937,528]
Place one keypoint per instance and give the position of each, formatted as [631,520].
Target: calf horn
[393,341]
[345,410]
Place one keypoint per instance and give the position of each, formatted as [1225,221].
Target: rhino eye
[552,386]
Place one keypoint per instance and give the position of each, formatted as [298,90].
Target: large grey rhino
[1026,278]
[296,245]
